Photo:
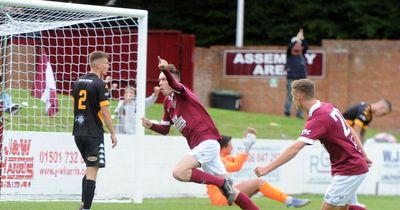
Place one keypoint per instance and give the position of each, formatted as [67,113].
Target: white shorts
[207,153]
[342,189]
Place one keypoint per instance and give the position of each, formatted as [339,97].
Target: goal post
[44,48]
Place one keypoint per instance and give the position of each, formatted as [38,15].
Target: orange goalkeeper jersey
[232,164]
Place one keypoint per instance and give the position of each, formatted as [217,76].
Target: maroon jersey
[327,125]
[188,115]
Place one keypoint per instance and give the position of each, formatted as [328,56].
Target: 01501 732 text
[66,157]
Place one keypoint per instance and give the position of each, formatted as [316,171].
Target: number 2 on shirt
[335,114]
[82,99]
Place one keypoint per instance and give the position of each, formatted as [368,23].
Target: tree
[213,22]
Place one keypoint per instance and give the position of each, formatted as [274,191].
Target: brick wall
[354,71]
[20,67]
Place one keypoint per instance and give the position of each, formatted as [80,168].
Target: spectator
[296,68]
[126,109]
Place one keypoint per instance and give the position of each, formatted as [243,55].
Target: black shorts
[92,150]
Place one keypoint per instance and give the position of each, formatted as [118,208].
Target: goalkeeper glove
[248,142]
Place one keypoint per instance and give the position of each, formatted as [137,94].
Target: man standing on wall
[296,68]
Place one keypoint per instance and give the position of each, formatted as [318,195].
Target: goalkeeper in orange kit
[235,163]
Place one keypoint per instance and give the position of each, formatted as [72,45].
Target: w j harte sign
[259,63]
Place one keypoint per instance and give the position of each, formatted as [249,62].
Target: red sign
[258,63]
[17,165]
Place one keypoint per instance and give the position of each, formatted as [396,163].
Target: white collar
[171,96]
[314,107]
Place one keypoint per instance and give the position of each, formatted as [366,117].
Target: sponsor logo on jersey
[86,80]
[80,119]
[179,122]
[305,132]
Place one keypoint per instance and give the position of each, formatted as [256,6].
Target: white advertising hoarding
[39,165]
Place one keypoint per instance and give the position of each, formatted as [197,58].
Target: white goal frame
[142,17]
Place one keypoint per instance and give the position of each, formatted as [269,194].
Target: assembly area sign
[256,63]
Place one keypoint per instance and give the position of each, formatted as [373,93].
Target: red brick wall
[354,71]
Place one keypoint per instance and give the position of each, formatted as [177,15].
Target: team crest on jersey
[80,119]
[179,122]
[305,132]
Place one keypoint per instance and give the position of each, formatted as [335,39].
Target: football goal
[44,48]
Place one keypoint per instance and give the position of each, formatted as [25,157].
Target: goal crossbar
[72,7]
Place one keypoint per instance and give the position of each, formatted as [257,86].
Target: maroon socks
[205,178]
[355,207]
[244,202]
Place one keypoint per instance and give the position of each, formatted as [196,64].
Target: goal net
[43,51]
[44,48]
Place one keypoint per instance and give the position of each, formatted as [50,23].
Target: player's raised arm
[171,74]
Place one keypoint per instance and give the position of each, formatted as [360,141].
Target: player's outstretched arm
[236,163]
[161,129]
[283,158]
[146,122]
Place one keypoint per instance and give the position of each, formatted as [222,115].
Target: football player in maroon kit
[349,163]
[183,109]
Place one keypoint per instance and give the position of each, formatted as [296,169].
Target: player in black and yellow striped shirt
[360,115]
[91,107]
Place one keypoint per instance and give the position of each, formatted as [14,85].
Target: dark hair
[173,70]
[97,55]
[224,141]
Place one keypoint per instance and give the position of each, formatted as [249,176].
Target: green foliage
[372,202]
[274,21]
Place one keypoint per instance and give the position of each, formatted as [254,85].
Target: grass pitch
[32,117]
[372,202]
